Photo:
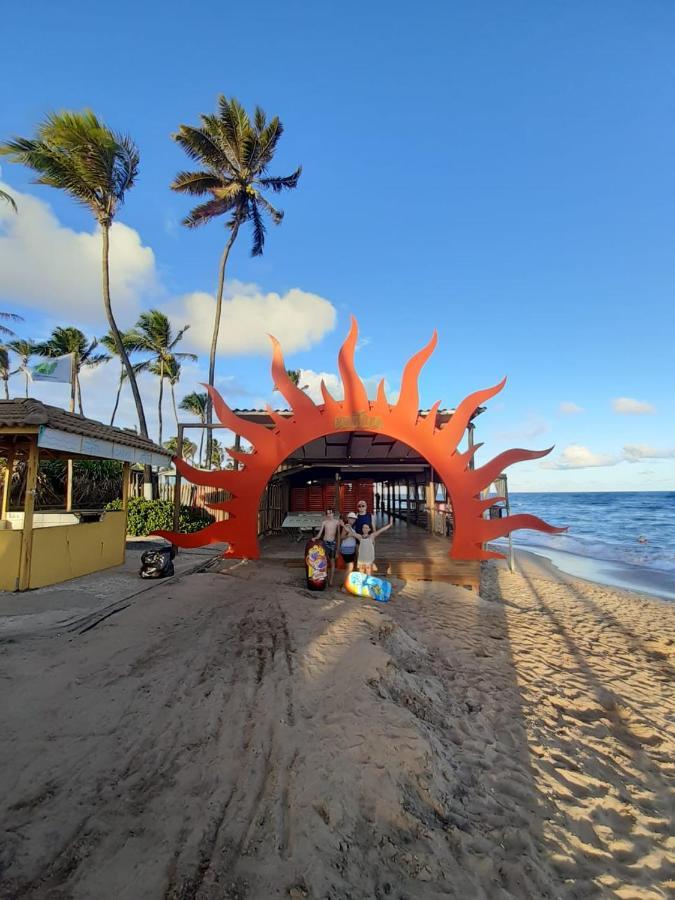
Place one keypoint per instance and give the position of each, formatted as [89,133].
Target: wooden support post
[430,502]
[126,475]
[28,508]
[7,484]
[69,485]
[177,486]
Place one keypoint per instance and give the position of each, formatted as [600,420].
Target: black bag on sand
[157,563]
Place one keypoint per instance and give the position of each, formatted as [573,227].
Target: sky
[503,173]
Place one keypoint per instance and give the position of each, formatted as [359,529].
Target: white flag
[59,369]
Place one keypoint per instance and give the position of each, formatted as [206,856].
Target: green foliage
[144,516]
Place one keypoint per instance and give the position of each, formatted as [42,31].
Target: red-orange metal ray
[355,412]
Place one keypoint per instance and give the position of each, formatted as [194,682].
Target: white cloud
[570,409]
[58,270]
[297,319]
[312,379]
[577,456]
[637,452]
[628,407]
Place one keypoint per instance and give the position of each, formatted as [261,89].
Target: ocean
[621,538]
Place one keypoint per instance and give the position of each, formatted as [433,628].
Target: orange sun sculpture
[401,421]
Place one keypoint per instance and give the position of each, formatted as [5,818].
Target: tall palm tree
[195,403]
[72,340]
[24,349]
[173,377]
[235,154]
[4,370]
[153,334]
[110,344]
[77,153]
[8,199]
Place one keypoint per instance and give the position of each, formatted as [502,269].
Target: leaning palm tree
[153,334]
[24,349]
[110,344]
[235,153]
[195,403]
[78,153]
[8,199]
[71,340]
[4,370]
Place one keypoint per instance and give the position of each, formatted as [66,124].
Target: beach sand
[236,736]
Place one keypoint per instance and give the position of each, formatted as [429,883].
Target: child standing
[367,546]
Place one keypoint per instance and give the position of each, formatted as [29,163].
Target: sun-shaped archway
[438,445]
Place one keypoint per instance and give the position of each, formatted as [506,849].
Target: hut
[39,548]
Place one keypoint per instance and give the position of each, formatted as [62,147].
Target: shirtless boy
[329,531]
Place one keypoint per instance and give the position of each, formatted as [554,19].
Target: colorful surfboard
[368,586]
[316,565]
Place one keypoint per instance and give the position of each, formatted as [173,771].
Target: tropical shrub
[144,516]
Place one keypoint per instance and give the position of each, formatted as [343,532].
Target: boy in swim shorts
[329,530]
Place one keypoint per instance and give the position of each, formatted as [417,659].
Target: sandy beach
[232,735]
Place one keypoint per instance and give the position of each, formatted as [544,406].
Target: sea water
[625,538]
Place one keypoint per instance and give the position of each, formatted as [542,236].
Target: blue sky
[502,172]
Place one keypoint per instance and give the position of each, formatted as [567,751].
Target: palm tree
[4,370]
[235,154]
[189,448]
[153,334]
[24,349]
[8,199]
[195,403]
[110,344]
[77,153]
[72,340]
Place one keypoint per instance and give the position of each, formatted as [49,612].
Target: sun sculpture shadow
[400,421]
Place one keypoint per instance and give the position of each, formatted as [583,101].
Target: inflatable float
[316,565]
[368,586]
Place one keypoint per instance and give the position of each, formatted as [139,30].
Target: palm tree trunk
[25,373]
[161,395]
[117,398]
[6,380]
[79,394]
[201,449]
[131,375]
[173,400]
[73,386]
[214,339]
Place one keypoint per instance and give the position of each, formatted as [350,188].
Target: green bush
[144,516]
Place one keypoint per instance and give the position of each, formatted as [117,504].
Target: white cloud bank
[297,319]
[58,270]
[570,409]
[629,407]
[638,452]
[576,456]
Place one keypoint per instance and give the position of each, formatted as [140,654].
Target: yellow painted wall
[10,550]
[66,551]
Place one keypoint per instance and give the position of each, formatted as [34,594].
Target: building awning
[64,434]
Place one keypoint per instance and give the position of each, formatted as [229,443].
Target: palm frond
[280,184]
[196,182]
[258,228]
[8,199]
[207,211]
[275,214]
[201,146]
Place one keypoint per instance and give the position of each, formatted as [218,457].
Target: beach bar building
[43,547]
